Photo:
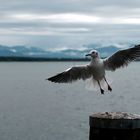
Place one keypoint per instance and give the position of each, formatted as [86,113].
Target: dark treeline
[13,58]
[34,59]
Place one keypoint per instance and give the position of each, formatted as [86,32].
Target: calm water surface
[34,109]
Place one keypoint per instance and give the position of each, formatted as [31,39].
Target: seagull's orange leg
[109,87]
[102,91]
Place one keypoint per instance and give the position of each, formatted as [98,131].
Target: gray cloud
[108,7]
[58,23]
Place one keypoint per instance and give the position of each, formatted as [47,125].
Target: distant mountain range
[25,51]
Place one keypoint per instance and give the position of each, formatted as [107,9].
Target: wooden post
[114,126]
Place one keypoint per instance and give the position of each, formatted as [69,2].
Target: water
[34,109]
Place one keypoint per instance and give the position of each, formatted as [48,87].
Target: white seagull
[97,67]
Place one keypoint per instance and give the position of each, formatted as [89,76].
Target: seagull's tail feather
[92,84]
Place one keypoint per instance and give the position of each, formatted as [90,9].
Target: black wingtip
[51,79]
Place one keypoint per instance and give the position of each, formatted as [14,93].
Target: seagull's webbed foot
[109,88]
[102,91]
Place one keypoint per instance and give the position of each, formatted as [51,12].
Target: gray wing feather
[122,58]
[72,74]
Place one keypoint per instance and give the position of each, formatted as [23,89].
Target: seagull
[97,67]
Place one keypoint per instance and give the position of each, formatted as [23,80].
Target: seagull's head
[93,54]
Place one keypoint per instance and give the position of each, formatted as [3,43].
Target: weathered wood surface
[114,126]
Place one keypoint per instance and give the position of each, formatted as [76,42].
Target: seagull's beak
[88,54]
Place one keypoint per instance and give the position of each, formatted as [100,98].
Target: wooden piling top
[115,120]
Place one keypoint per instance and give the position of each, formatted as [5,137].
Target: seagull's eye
[93,52]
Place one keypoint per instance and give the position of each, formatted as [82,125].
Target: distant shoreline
[35,59]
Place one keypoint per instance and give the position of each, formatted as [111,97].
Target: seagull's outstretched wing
[122,58]
[72,74]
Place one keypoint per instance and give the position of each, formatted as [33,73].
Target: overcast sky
[68,23]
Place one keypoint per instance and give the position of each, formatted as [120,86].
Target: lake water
[34,109]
